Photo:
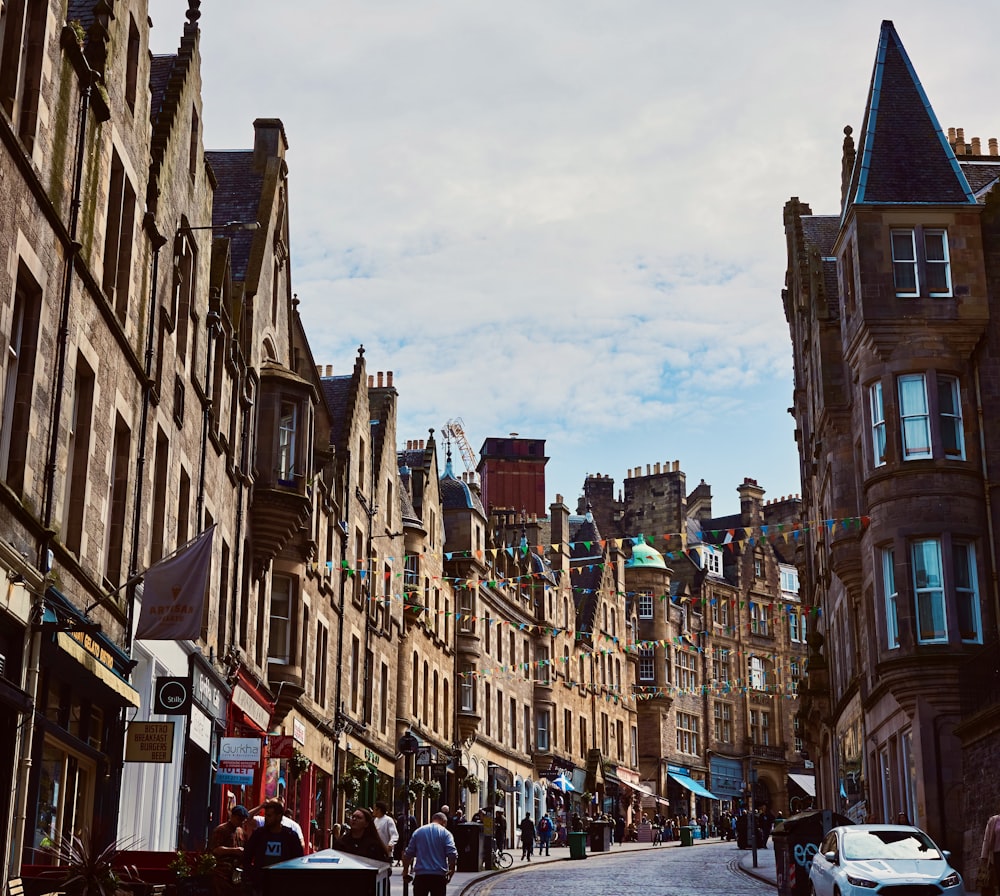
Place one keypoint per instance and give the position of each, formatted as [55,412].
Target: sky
[563,218]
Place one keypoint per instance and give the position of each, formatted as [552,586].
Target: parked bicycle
[502,858]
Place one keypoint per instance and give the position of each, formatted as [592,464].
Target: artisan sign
[150,742]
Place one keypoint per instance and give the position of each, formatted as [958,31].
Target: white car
[882,860]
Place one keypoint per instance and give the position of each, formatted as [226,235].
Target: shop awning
[806,782]
[692,785]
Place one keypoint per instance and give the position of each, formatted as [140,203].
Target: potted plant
[471,783]
[86,870]
[194,873]
[350,786]
[299,763]
[432,790]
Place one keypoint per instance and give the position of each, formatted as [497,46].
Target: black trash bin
[599,836]
[469,842]
[326,872]
[796,841]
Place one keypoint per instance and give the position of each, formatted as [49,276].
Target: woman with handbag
[989,858]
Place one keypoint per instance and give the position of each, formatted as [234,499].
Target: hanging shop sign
[280,746]
[150,742]
[239,758]
[298,732]
[173,695]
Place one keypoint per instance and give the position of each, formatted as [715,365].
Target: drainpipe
[248,402]
[987,489]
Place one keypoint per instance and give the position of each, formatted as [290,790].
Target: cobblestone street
[705,870]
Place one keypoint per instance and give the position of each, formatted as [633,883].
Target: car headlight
[867,884]
[952,880]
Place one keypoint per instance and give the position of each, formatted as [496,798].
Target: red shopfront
[250,708]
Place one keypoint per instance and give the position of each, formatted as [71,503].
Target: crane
[455,429]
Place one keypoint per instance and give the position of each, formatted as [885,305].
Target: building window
[758,618]
[758,568]
[132,64]
[118,238]
[645,604]
[646,669]
[760,727]
[723,722]
[795,675]
[711,559]
[287,429]
[721,665]
[117,502]
[279,644]
[924,273]
[878,423]
[22,56]
[19,376]
[720,611]
[687,678]
[567,731]
[757,676]
[928,588]
[967,592]
[467,688]
[950,417]
[914,416]
[687,733]
[795,627]
[78,456]
[542,729]
[891,597]
[320,664]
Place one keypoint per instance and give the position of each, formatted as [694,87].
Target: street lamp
[408,746]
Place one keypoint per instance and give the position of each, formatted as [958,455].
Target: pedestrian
[527,838]
[406,824]
[989,857]
[620,830]
[385,826]
[544,829]
[432,855]
[362,839]
[500,830]
[268,845]
[226,845]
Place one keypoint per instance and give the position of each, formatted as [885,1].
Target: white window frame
[891,597]
[542,730]
[711,559]
[758,618]
[967,591]
[948,388]
[914,416]
[647,667]
[279,641]
[645,604]
[902,264]
[929,593]
[944,263]
[878,423]
[758,676]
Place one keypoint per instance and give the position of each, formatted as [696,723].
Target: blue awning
[692,785]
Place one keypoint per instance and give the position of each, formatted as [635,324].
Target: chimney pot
[993,146]
[951,136]
[371,380]
[380,379]
[329,370]
[976,146]
[389,378]
[656,469]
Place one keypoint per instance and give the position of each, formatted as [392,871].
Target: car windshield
[889,844]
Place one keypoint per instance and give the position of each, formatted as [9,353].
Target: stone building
[889,302]
[720,645]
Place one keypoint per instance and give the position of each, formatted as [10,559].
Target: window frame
[876,407]
[920,263]
[938,594]
[890,591]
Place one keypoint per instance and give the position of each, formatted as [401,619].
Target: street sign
[426,755]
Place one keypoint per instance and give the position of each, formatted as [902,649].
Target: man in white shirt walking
[385,826]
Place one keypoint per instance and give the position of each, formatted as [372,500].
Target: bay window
[928,590]
[920,262]
[878,424]
[889,589]
[966,592]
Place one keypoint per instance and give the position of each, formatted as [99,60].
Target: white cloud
[565,218]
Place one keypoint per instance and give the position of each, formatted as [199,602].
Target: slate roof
[456,494]
[160,69]
[337,394]
[981,175]
[81,11]
[237,198]
[904,155]
[821,231]
[590,562]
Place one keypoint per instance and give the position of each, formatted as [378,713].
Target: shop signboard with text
[239,759]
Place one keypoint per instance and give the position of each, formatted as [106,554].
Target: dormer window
[711,559]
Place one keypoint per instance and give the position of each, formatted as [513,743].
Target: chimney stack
[976,146]
[993,146]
